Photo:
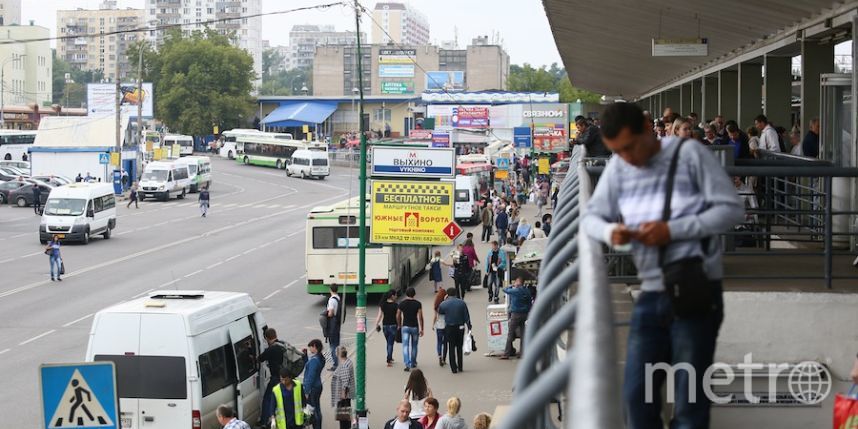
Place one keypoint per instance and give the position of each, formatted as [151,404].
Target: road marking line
[230,205]
[214,265]
[125,232]
[4,351]
[279,240]
[160,248]
[271,294]
[79,320]
[300,231]
[248,251]
[169,283]
[37,337]
[259,206]
[161,224]
[20,235]
[262,246]
[7,260]
[193,273]
[290,284]
[31,254]
[245,205]
[142,293]
[231,258]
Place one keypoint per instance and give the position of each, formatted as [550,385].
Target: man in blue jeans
[627,207]
[410,321]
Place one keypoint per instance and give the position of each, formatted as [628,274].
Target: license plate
[126,422]
[61,236]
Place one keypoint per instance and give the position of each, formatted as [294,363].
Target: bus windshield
[336,237]
[156,175]
[65,207]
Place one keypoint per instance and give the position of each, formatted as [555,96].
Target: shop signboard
[440,139]
[397,56]
[397,88]
[470,117]
[522,137]
[395,70]
[420,134]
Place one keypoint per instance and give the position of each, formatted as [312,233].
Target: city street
[252,241]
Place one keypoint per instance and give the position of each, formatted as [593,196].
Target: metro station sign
[416,162]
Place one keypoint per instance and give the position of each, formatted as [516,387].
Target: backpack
[293,359]
[324,320]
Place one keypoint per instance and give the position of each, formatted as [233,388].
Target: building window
[382,115]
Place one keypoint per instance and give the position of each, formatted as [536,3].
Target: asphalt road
[252,241]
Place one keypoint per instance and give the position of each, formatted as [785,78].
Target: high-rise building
[104,52]
[399,23]
[303,40]
[26,66]
[246,32]
[10,12]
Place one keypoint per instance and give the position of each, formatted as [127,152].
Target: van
[309,163]
[467,195]
[185,143]
[78,211]
[161,179]
[199,170]
[180,354]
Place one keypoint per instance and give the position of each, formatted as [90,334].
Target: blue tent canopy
[299,113]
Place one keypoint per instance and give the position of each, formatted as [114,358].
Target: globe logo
[809,382]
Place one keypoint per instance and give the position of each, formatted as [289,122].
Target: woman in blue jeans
[313,367]
[386,320]
[439,325]
[410,320]
[56,261]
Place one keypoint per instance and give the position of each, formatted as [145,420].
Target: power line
[169,26]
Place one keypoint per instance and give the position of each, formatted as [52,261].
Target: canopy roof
[607,46]
[298,113]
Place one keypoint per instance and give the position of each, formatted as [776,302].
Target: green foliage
[72,94]
[200,80]
[547,79]
[282,82]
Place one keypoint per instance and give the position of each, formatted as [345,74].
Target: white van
[181,354]
[309,163]
[161,179]
[467,197]
[78,211]
[199,170]
[186,144]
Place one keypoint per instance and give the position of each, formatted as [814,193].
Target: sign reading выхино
[413,162]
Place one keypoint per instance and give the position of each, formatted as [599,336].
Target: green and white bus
[228,147]
[269,151]
[332,254]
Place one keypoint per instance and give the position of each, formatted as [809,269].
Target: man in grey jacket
[626,208]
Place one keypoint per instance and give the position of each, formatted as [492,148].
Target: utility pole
[360,310]
[118,119]
[140,99]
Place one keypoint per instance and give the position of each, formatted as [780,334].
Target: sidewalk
[485,383]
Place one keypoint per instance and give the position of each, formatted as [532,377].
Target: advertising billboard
[445,81]
[396,70]
[470,117]
[397,56]
[101,99]
[409,212]
[397,87]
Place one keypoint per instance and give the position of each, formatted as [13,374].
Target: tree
[287,82]
[271,61]
[547,79]
[200,80]
[72,94]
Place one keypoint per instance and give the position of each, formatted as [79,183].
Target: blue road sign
[522,137]
[104,158]
[79,395]
[502,163]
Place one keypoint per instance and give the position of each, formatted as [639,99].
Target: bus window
[334,237]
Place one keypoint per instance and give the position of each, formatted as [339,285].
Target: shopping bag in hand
[846,409]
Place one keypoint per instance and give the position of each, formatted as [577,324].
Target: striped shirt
[704,203]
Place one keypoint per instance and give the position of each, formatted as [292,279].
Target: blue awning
[299,113]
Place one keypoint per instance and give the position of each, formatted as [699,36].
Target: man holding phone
[669,199]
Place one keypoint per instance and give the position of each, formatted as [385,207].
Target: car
[16,170]
[23,195]
[7,187]
[53,180]
[9,173]
[23,165]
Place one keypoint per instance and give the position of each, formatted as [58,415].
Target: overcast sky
[522,24]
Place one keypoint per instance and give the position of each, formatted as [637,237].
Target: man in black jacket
[273,356]
[402,417]
[591,138]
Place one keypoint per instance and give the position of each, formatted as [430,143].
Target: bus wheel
[303,176]
[246,160]
[279,165]
[8,157]
[229,155]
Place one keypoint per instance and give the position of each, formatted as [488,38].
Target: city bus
[186,144]
[268,151]
[14,144]
[332,254]
[228,147]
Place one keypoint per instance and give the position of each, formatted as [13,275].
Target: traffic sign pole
[360,310]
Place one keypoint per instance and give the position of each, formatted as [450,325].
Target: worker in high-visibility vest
[288,402]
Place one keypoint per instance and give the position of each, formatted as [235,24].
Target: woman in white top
[416,391]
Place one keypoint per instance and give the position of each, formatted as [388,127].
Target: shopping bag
[62,268]
[468,347]
[846,409]
[344,411]
[398,337]
[476,278]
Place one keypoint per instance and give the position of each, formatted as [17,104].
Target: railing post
[829,196]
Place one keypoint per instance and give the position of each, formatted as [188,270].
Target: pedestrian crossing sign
[80,395]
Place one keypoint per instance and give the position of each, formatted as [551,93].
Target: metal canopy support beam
[710,98]
[685,99]
[777,95]
[750,93]
[697,97]
[728,94]
[816,58]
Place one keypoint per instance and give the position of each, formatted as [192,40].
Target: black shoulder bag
[684,280]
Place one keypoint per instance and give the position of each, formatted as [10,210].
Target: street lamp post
[3,88]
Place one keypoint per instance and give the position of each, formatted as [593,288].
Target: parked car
[23,165]
[7,187]
[11,173]
[23,196]
[53,180]
[18,171]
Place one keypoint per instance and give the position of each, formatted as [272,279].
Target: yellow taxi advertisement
[412,212]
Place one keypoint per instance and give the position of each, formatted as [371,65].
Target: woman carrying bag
[56,261]
[342,389]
